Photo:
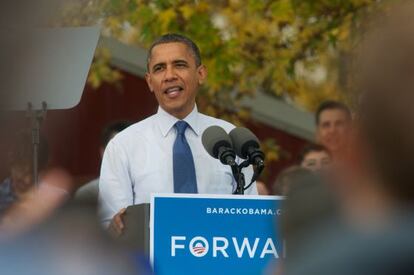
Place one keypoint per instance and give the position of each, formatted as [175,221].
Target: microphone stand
[36,117]
[239,177]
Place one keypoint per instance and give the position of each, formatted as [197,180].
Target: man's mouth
[173,91]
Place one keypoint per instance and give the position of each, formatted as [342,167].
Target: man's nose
[170,74]
[329,130]
[333,130]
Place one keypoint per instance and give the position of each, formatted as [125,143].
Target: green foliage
[248,45]
[282,47]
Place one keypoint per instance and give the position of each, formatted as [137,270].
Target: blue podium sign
[214,234]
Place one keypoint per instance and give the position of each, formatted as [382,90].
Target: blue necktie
[183,163]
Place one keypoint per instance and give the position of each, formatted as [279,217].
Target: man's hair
[112,128]
[176,38]
[290,176]
[331,105]
[311,148]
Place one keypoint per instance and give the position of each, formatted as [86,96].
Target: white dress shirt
[138,162]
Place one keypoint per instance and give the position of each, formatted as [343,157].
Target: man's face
[333,129]
[174,78]
[316,160]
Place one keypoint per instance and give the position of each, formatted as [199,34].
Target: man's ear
[148,79]
[202,74]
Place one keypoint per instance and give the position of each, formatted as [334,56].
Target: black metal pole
[239,178]
[36,118]
[240,184]
[36,142]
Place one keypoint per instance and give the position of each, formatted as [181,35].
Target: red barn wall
[74,134]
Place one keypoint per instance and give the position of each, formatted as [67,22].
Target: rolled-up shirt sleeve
[115,183]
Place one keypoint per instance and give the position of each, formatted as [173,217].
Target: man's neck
[180,115]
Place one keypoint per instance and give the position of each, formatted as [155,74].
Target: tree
[281,47]
[286,48]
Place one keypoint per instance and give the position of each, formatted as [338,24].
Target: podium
[136,233]
[207,234]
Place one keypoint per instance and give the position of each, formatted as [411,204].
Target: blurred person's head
[71,241]
[385,64]
[381,166]
[289,177]
[333,122]
[315,157]
[110,131]
[20,159]
[38,204]
[310,204]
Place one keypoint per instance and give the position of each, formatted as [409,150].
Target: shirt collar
[167,121]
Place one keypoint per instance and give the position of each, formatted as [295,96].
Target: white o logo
[199,246]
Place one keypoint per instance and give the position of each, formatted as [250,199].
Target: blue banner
[214,234]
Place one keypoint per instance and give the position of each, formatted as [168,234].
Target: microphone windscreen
[213,138]
[242,139]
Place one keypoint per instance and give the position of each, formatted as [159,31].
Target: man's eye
[310,163]
[181,65]
[326,161]
[157,68]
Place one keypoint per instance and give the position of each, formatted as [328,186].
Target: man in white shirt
[152,156]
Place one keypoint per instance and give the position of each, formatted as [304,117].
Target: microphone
[218,144]
[247,146]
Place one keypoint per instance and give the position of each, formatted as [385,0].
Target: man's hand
[116,227]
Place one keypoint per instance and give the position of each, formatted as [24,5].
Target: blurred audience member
[375,236]
[20,158]
[309,204]
[90,190]
[262,188]
[38,204]
[288,177]
[23,205]
[315,157]
[70,242]
[333,126]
